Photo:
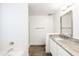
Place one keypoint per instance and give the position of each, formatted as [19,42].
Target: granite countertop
[70,45]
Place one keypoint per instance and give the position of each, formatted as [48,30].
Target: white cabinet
[61,51]
[53,47]
[56,50]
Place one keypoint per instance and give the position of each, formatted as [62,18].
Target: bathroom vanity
[64,46]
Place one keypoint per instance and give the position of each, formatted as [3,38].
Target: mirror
[66,24]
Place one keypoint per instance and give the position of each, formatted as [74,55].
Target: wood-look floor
[38,50]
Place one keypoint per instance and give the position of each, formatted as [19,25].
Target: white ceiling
[43,8]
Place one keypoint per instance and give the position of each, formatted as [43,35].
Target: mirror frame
[71,22]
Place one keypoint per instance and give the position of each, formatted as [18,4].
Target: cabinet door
[62,52]
[53,48]
[56,50]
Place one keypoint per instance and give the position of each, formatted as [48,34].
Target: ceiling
[43,8]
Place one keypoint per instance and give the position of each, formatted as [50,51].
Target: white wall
[14,26]
[39,26]
[76,21]
[56,23]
